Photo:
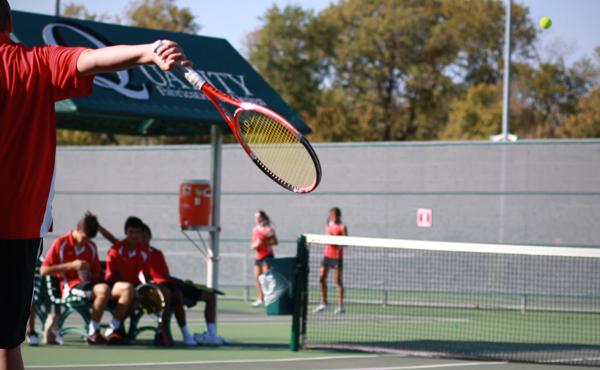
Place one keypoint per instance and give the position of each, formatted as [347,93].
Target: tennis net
[441,299]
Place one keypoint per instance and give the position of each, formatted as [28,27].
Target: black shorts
[17,266]
[190,292]
[263,261]
[332,263]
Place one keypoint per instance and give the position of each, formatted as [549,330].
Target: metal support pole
[212,264]
[57,8]
[506,92]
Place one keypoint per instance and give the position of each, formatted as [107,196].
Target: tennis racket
[151,300]
[272,143]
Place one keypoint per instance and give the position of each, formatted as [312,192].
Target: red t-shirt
[124,264]
[158,268]
[334,251]
[64,250]
[31,81]
[261,234]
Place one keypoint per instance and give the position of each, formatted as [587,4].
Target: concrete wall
[532,192]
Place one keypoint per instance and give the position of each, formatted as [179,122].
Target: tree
[477,29]
[74,10]
[586,122]
[477,116]
[385,69]
[162,15]
[543,97]
[287,50]
[547,93]
[387,58]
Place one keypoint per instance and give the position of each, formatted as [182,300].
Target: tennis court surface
[260,342]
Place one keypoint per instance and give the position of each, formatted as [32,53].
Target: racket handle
[193,77]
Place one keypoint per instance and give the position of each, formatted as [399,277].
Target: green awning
[145,100]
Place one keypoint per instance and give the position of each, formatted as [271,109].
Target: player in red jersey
[333,258]
[263,240]
[127,259]
[130,261]
[32,80]
[180,292]
[73,257]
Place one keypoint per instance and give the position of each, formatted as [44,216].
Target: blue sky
[574,34]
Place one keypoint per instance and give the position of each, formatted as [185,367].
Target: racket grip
[193,77]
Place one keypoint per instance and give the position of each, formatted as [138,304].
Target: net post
[300,293]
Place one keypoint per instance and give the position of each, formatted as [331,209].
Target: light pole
[57,8]
[506,90]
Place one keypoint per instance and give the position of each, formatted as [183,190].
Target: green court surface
[401,323]
[254,336]
[259,342]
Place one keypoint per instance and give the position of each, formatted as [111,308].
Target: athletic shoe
[339,310]
[116,337]
[320,308]
[32,339]
[58,339]
[108,331]
[190,341]
[97,339]
[52,336]
[257,303]
[206,339]
[224,341]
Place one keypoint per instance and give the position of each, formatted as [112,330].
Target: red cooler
[195,199]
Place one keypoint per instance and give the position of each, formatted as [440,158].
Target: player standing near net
[32,80]
[263,240]
[333,258]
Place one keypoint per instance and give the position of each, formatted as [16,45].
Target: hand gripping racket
[272,143]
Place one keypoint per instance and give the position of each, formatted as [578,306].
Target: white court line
[459,364]
[201,362]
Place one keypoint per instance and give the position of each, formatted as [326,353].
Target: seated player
[126,260]
[333,258]
[180,292]
[73,257]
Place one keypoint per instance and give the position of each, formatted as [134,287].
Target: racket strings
[278,151]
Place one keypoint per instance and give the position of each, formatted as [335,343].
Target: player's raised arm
[120,57]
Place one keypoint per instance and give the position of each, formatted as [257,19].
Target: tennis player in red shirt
[126,263]
[31,81]
[263,240]
[333,258]
[180,292]
[73,257]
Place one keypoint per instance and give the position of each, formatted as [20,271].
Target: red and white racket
[273,144]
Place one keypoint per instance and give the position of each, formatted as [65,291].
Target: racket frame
[216,96]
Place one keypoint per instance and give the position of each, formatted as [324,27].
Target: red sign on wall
[424,217]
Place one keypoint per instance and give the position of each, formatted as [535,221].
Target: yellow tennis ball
[545,23]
